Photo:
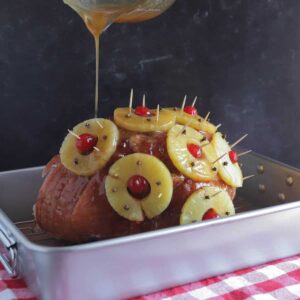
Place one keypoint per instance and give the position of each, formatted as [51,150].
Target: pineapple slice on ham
[150,122]
[210,202]
[139,184]
[89,146]
[186,148]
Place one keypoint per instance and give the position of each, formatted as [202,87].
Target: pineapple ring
[133,122]
[155,172]
[195,122]
[229,172]
[210,197]
[86,165]
[177,141]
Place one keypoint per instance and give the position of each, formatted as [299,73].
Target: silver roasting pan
[265,228]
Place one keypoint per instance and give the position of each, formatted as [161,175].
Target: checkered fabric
[275,280]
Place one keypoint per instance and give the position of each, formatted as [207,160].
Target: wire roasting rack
[36,235]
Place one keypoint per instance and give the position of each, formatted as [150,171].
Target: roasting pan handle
[9,259]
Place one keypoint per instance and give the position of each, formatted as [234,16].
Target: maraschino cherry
[85,143]
[195,150]
[233,155]
[138,187]
[142,111]
[210,214]
[191,110]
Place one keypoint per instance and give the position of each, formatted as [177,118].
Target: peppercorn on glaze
[145,170]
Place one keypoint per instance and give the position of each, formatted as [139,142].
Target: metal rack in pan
[36,235]
[33,233]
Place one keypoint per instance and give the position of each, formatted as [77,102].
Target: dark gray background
[241,57]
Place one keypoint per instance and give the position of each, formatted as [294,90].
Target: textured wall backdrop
[241,57]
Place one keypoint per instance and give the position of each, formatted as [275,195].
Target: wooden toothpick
[130,101]
[219,158]
[207,116]
[183,131]
[248,177]
[202,146]
[74,134]
[240,154]
[194,102]
[157,113]
[184,128]
[97,149]
[138,166]
[183,103]
[114,176]
[218,126]
[100,125]
[144,100]
[216,194]
[244,153]
[239,140]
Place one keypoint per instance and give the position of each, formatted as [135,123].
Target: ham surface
[75,208]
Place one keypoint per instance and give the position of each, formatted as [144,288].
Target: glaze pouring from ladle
[98,15]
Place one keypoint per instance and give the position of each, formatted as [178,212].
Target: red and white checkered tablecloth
[279,280]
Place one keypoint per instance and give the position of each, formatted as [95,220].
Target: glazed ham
[75,208]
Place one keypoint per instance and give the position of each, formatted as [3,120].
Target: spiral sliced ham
[75,208]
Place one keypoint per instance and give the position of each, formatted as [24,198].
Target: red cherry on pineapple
[233,156]
[195,150]
[210,214]
[86,143]
[142,111]
[191,110]
[138,187]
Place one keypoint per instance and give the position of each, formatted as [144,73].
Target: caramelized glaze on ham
[75,208]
